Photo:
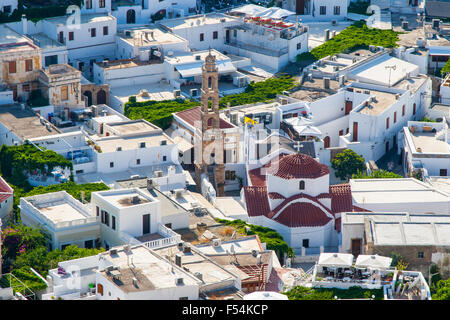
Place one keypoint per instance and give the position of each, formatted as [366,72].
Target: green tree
[442,290]
[347,163]
[446,68]
[379,174]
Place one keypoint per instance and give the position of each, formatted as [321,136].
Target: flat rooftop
[182,57]
[383,100]
[375,71]
[24,122]
[145,36]
[242,245]
[198,20]
[230,206]
[124,198]
[8,35]
[440,183]
[195,262]
[126,128]
[85,18]
[412,83]
[44,42]
[157,91]
[405,190]
[126,63]
[151,270]
[428,143]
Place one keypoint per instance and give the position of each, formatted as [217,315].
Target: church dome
[298,166]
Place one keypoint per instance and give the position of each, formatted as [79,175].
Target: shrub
[379,174]
[347,163]
[355,292]
[37,99]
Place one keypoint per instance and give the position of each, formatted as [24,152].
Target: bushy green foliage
[259,91]
[157,112]
[446,68]
[37,99]
[17,160]
[274,241]
[347,163]
[426,119]
[18,238]
[303,293]
[379,174]
[357,36]
[359,7]
[442,290]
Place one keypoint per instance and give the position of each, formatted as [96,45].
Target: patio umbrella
[336,259]
[373,261]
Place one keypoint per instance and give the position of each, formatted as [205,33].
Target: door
[131,16]
[348,107]
[88,95]
[387,146]
[326,142]
[227,36]
[356,247]
[355,131]
[101,97]
[300,7]
[146,224]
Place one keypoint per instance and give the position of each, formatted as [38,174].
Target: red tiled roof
[256,201]
[359,209]
[293,166]
[5,190]
[341,198]
[276,195]
[192,115]
[276,276]
[303,214]
[290,199]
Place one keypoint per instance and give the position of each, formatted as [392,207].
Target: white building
[67,220]
[398,195]
[8,6]
[6,199]
[319,10]
[291,194]
[425,147]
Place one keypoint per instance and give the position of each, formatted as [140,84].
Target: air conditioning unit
[334,22]
[163,142]
[177,93]
[159,173]
[179,281]
[199,275]
[217,243]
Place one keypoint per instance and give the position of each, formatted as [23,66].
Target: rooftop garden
[357,36]
[274,241]
[303,293]
[160,112]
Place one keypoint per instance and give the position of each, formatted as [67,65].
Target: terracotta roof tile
[192,115]
[256,201]
[303,214]
[341,198]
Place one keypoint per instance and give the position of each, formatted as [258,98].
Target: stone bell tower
[209,155]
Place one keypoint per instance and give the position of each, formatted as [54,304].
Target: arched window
[210,82]
[326,142]
[302,185]
[100,289]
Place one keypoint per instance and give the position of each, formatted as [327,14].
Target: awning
[189,70]
[336,259]
[439,51]
[373,261]
[303,126]
[225,67]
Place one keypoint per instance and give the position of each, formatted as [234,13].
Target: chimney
[24,24]
[178,260]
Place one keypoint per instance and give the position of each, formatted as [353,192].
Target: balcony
[162,238]
[258,49]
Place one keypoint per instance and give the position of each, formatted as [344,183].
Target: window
[395,116]
[443,172]
[7,9]
[71,35]
[97,209]
[64,93]
[215,35]
[113,222]
[164,158]
[306,243]
[93,32]
[107,218]
[230,175]
[12,66]
[341,132]
[138,161]
[302,185]
[105,31]
[414,109]
[323,10]
[64,246]
[168,225]
[111,164]
[347,131]
[101,3]
[26,88]
[28,65]
[337,10]
[403,110]
[299,46]
[89,6]
[387,123]
[202,36]
[420,255]
[142,145]
[100,289]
